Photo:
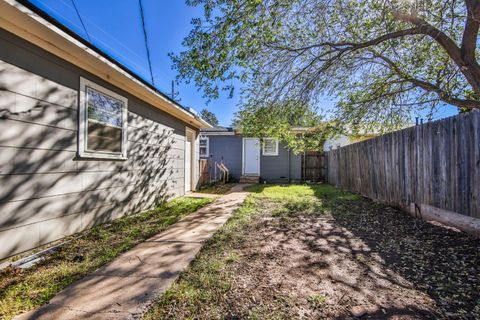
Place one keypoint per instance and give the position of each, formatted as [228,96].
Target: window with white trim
[270,147]
[102,122]
[204,144]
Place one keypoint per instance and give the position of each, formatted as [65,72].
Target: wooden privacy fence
[314,166]
[436,164]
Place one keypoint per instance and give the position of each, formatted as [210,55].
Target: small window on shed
[270,147]
[204,146]
[102,122]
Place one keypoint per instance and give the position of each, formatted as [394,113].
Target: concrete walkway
[125,288]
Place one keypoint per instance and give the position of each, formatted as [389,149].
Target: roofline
[238,132]
[34,25]
[218,133]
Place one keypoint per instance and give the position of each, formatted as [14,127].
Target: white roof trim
[28,25]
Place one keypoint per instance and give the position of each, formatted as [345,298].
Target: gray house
[251,159]
[82,139]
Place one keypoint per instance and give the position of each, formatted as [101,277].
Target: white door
[188,161]
[251,156]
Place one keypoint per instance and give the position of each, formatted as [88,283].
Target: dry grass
[217,188]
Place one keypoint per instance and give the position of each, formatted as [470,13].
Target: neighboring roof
[229,131]
[219,131]
[34,25]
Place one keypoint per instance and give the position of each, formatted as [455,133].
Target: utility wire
[146,41]
[81,20]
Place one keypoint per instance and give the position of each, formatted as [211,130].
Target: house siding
[276,169]
[273,169]
[230,148]
[45,192]
[295,167]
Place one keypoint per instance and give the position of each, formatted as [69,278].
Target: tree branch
[427,86]
[448,44]
[470,34]
[351,46]
[469,68]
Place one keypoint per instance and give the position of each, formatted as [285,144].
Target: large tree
[382,60]
[209,116]
[290,121]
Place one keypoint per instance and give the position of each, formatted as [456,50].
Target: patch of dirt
[363,257]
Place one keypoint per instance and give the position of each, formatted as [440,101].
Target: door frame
[243,155]
[189,132]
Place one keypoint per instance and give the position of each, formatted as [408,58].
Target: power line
[165,79]
[119,53]
[81,21]
[146,41]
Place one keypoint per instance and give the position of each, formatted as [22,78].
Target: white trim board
[21,21]
[192,159]
[82,151]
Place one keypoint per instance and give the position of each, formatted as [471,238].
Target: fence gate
[314,166]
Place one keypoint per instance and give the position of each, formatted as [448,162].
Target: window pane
[270,146]
[203,146]
[104,138]
[103,108]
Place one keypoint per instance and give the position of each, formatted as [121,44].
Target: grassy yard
[24,289]
[313,252]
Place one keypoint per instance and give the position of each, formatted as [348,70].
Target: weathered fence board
[314,166]
[437,163]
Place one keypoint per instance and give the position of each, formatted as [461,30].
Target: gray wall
[230,148]
[273,169]
[45,193]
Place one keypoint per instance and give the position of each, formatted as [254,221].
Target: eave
[27,24]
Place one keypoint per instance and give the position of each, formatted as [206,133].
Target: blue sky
[116,29]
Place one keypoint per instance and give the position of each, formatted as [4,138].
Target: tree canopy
[209,116]
[289,121]
[382,60]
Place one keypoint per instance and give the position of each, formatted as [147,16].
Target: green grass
[23,290]
[317,301]
[309,199]
[288,192]
[203,290]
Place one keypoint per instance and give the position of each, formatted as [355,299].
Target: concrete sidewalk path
[125,288]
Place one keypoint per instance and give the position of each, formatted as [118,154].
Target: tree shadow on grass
[365,249]
[440,262]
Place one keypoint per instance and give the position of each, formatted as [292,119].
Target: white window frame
[207,145]
[270,153]
[83,128]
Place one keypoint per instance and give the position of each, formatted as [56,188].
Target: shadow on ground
[381,258]
[313,252]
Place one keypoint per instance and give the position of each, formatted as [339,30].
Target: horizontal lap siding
[437,164]
[275,169]
[230,149]
[295,167]
[45,192]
